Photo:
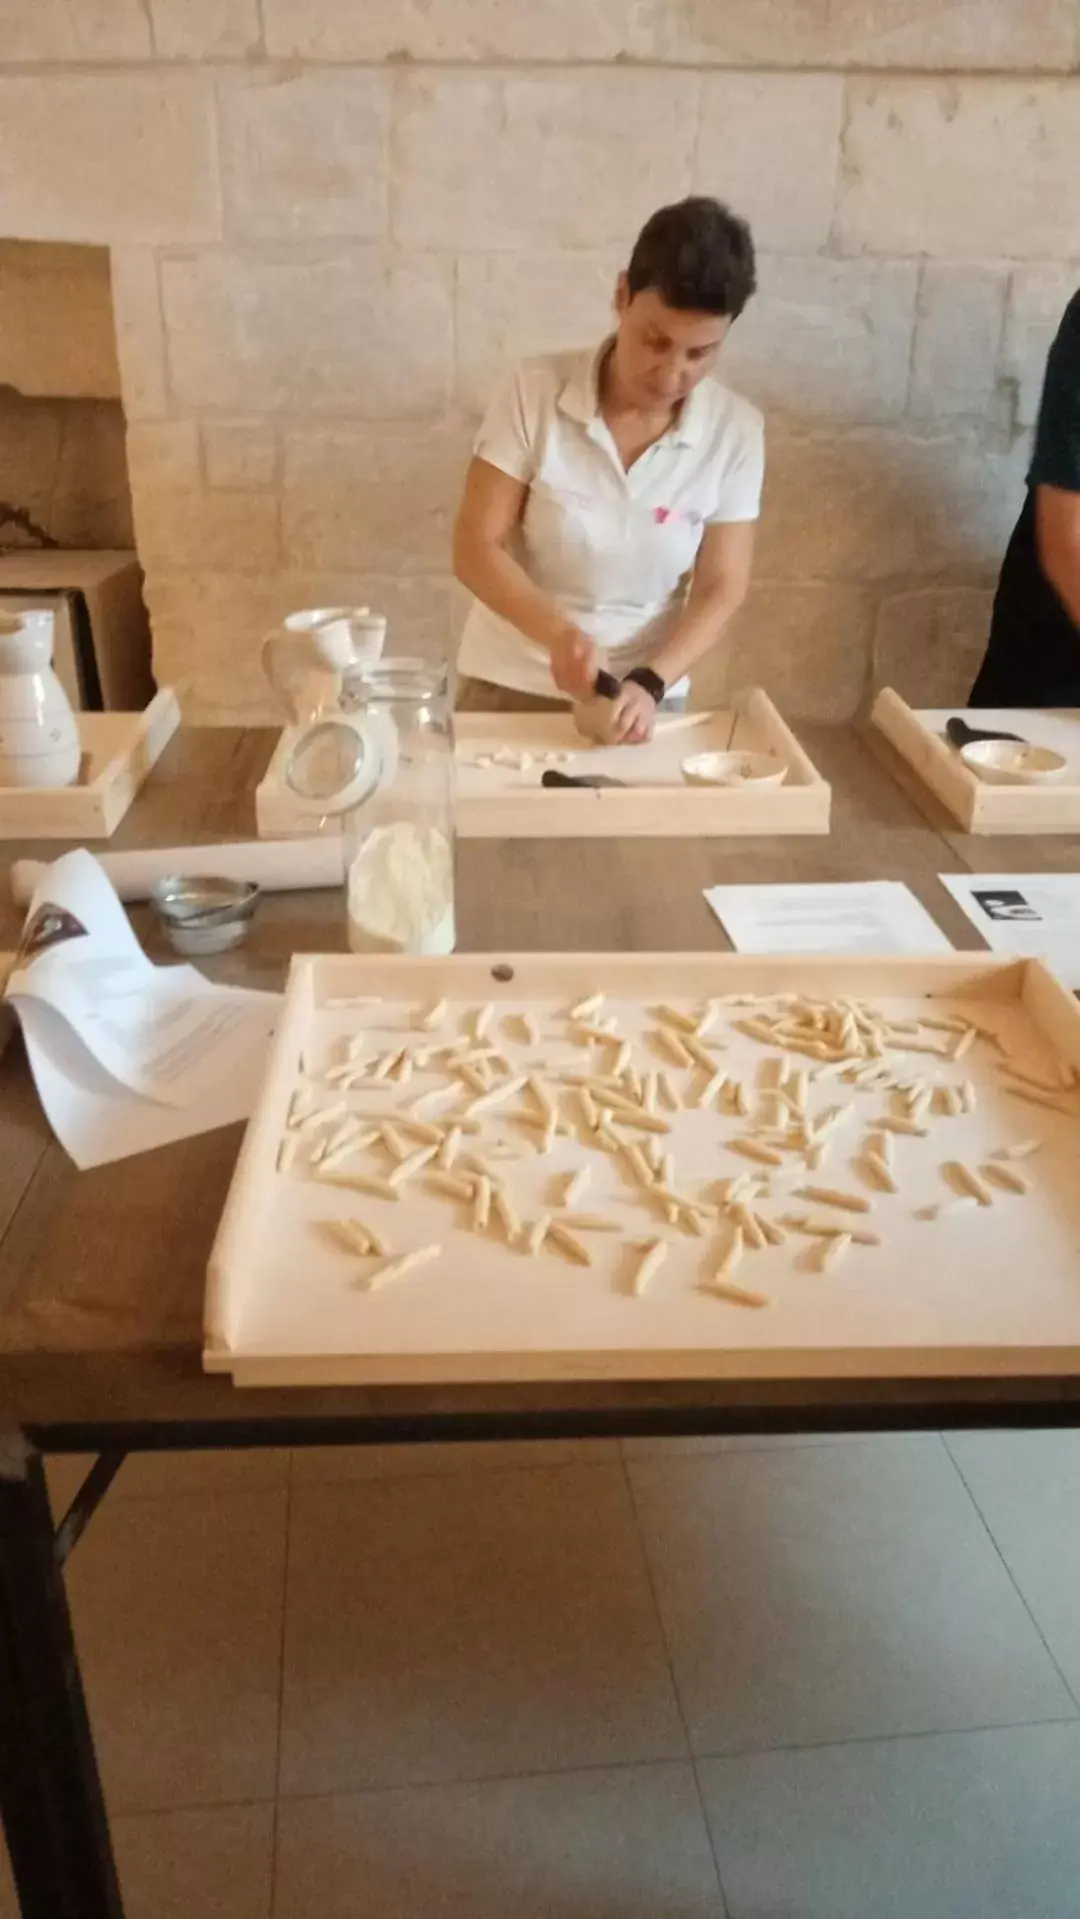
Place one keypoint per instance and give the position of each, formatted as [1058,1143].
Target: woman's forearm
[495,577]
[703,621]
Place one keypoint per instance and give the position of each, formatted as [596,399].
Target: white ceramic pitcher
[39,734]
[304,661]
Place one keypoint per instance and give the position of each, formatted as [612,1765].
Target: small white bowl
[734,769]
[1011,763]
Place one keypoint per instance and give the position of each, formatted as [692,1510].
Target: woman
[607,520]
[1033,658]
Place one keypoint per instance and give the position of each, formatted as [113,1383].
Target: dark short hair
[697,255]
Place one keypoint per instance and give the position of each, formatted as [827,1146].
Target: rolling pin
[278,866]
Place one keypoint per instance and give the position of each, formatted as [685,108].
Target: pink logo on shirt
[665,514]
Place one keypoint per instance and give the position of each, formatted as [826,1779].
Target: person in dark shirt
[1033,658]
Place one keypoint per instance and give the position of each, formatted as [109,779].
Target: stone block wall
[332,222]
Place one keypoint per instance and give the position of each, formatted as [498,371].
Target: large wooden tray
[983,1292]
[501,802]
[119,751]
[919,737]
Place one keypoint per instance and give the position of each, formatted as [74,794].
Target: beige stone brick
[358,330]
[1037,299]
[239,453]
[205,29]
[977,169]
[998,34]
[512,305]
[122,158]
[557,30]
[807,645]
[379,498]
[306,156]
[179,522]
[513,162]
[885,502]
[92,30]
[929,643]
[208,629]
[56,321]
[958,328]
[769,145]
[140,336]
[826,339]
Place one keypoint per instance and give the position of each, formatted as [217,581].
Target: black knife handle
[961,734]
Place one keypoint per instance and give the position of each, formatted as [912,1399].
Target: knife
[961,734]
[553,778]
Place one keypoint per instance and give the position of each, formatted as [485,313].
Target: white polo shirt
[615,548]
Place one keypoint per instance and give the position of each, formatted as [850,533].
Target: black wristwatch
[644,676]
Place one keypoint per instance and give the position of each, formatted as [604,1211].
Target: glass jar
[380,761]
[399,837]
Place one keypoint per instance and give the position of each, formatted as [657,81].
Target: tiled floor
[745,1680]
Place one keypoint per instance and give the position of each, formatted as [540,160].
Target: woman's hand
[634,715]
[575,663]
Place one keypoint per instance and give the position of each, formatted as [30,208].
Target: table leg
[50,1791]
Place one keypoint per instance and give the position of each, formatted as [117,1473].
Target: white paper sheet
[126,1055]
[1026,914]
[859,916]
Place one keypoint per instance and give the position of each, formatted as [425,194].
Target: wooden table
[101,1272]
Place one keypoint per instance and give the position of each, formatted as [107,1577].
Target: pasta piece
[408,1168]
[586,1008]
[395,1145]
[637,1163]
[360,1182]
[507,1217]
[882,1172]
[312,1121]
[623,1058]
[543,1095]
[964,1204]
[829,1228]
[834,1250]
[452,1184]
[397,1268]
[434,1017]
[739,1101]
[288,1147]
[1002,1174]
[575,1185]
[650,1092]
[751,1231]
[652,1258]
[530,1029]
[1023,1149]
[967,1096]
[590,1223]
[732,1256]
[481,1204]
[738,1295]
[418,1129]
[892,1124]
[710,1089]
[672,1045]
[450,1148]
[964,1043]
[638,1119]
[535,1235]
[775,1234]
[831,1196]
[970,1181]
[436,1097]
[671,1016]
[497,1096]
[566,1241]
[668,1095]
[355,1142]
[755,1149]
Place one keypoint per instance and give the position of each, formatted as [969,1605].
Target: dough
[594,720]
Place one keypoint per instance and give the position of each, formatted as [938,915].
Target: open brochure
[127,1055]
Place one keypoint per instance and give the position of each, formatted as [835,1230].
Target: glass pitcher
[382,761]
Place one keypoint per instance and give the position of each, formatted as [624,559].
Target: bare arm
[719,587]
[1057,533]
[491,508]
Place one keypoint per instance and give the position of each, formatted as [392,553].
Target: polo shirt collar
[580,399]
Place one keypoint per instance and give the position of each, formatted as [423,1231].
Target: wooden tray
[119,750]
[500,802]
[977,806]
[994,1290]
